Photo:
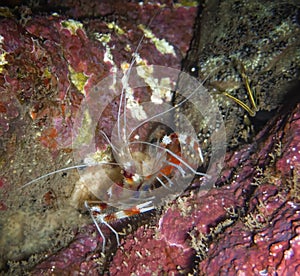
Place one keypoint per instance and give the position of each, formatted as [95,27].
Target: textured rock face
[259,49]
[248,224]
[51,58]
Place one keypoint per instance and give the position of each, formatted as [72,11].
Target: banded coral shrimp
[141,174]
[84,150]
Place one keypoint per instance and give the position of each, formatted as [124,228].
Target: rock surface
[249,223]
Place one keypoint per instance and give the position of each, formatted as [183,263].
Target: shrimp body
[139,169]
[149,159]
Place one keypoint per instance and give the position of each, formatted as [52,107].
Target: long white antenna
[125,86]
[67,169]
[173,107]
[164,112]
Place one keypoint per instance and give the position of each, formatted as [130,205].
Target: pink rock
[249,229]
[248,225]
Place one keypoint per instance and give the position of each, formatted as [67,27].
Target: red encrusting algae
[249,224]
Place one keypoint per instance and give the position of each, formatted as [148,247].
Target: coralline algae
[247,224]
[50,63]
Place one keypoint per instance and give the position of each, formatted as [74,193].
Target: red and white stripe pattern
[99,217]
[172,143]
[183,139]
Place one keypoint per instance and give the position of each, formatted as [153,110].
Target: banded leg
[99,217]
